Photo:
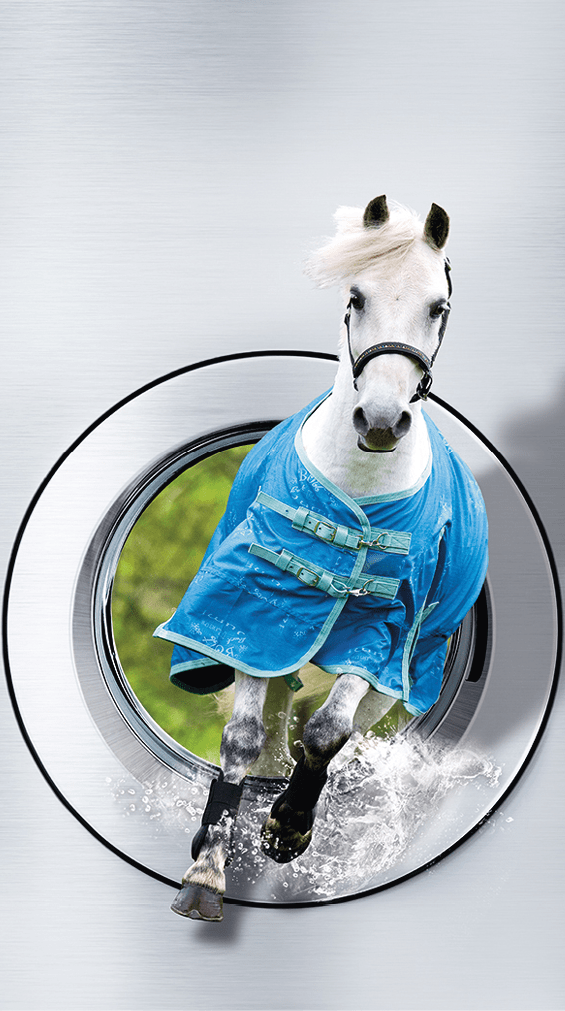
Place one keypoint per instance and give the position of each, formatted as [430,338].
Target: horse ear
[376,213]
[436,228]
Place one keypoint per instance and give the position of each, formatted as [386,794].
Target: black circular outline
[243,355]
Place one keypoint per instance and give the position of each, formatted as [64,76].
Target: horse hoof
[280,849]
[198,903]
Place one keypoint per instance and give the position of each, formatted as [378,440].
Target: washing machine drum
[397,803]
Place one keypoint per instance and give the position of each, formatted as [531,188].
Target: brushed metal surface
[164,169]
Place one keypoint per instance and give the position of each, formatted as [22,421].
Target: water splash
[170,804]
[379,796]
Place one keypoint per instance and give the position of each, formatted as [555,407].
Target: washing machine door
[140,791]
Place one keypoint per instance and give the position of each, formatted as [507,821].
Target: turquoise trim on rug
[356,503]
[292,680]
[410,645]
[163,633]
[332,583]
[189,664]
[396,542]
[336,669]
[397,496]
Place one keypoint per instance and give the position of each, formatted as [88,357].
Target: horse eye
[438,309]
[356,299]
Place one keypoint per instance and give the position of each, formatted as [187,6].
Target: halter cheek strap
[398,348]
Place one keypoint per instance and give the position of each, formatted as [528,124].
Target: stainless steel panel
[165,168]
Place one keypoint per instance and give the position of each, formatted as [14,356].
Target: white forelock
[355,248]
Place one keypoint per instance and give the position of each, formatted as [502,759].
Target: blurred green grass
[159,559]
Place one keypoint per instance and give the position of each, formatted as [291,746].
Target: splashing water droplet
[379,795]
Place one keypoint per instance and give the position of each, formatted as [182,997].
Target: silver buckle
[306,581]
[374,544]
[330,527]
[362,591]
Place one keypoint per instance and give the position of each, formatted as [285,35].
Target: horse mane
[354,248]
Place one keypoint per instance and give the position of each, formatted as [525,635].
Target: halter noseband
[397,348]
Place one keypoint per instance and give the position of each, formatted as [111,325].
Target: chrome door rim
[85,798]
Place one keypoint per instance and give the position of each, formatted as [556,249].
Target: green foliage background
[159,559]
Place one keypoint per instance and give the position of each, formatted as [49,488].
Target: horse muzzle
[388,445]
[380,433]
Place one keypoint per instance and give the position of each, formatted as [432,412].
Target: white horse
[368,439]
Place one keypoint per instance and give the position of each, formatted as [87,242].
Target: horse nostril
[397,425]
[360,422]
[403,424]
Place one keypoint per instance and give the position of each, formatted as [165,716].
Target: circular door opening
[129,780]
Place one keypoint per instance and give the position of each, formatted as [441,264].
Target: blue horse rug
[298,571]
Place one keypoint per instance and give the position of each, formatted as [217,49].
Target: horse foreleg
[288,830]
[204,883]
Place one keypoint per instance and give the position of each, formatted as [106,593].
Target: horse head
[396,315]
[396,285]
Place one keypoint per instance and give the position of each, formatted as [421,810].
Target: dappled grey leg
[275,758]
[243,737]
[288,830]
[331,725]
[372,707]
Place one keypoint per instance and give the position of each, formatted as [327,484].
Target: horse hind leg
[372,707]
[287,832]
[275,758]
[204,884]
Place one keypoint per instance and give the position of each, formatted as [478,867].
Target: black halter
[397,348]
